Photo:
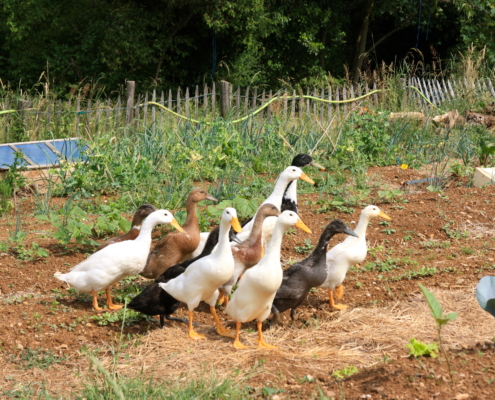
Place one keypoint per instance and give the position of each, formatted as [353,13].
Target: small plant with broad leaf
[420,349]
[388,195]
[440,318]
[345,372]
[244,207]
[71,226]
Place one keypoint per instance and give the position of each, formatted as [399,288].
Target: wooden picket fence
[46,117]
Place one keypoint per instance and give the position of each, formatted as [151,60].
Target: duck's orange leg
[237,343]
[95,302]
[192,333]
[339,292]
[221,330]
[110,304]
[261,342]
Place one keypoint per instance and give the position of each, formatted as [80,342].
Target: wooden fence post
[224,99]
[131,87]
[22,106]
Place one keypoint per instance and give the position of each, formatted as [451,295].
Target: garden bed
[442,239]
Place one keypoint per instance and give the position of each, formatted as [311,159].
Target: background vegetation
[254,42]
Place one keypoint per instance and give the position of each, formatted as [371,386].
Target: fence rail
[56,118]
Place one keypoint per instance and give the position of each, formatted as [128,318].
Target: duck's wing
[338,251]
[293,269]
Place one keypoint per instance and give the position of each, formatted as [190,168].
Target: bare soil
[443,240]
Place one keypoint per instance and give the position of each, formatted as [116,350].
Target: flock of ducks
[190,267]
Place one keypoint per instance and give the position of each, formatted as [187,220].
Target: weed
[452,233]
[306,248]
[467,250]
[418,349]
[127,316]
[388,195]
[70,224]
[435,244]
[345,372]
[33,253]
[388,231]
[42,359]
[422,272]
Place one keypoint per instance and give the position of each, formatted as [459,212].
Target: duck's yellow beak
[262,251]
[301,225]
[236,225]
[306,178]
[319,166]
[383,215]
[176,225]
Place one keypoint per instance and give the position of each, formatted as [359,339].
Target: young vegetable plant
[418,349]
[440,319]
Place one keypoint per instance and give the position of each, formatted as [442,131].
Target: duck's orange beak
[176,225]
[301,225]
[383,215]
[236,225]
[306,178]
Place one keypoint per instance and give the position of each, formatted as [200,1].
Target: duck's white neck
[291,192]
[273,249]
[362,225]
[145,232]
[278,192]
[223,237]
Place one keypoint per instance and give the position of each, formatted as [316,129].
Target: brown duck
[250,252]
[173,248]
[141,213]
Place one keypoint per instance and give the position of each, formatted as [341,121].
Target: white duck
[289,175]
[201,280]
[116,261]
[254,296]
[350,252]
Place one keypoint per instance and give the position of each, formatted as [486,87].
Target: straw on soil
[360,337]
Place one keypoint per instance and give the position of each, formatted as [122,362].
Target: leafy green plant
[345,372]
[31,358]
[244,207]
[388,195]
[453,233]
[127,316]
[306,248]
[435,244]
[71,225]
[440,319]
[111,222]
[419,349]
[33,253]
[422,272]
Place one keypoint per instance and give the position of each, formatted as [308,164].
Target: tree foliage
[251,42]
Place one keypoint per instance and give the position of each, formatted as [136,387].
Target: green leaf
[418,349]
[435,307]
[451,316]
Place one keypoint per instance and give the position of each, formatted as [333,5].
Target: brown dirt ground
[444,241]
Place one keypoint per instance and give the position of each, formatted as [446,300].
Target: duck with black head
[289,201]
